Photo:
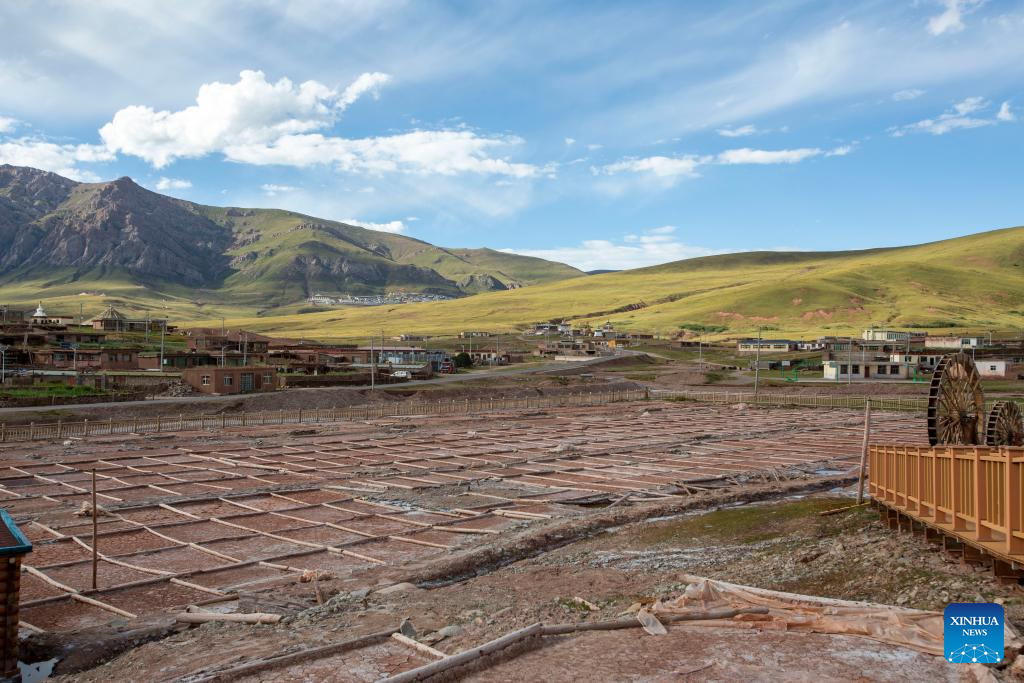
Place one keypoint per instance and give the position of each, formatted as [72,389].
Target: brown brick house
[231,380]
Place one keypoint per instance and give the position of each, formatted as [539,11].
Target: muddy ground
[784,545]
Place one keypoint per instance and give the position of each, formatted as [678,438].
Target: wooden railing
[916,403]
[974,492]
[182,422]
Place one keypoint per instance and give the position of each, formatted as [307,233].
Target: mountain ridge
[61,232]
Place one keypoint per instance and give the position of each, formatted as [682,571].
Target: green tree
[462,360]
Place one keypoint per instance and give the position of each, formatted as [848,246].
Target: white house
[953,343]
[888,335]
[921,360]
[995,367]
[869,370]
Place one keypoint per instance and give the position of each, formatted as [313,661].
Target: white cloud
[392,226]
[49,156]
[443,152]
[173,184]
[906,95]
[252,111]
[593,147]
[740,132]
[7,124]
[272,189]
[649,248]
[951,20]
[570,141]
[746,155]
[257,122]
[671,168]
[366,83]
[961,116]
[659,166]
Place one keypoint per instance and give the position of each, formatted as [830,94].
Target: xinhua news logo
[973,633]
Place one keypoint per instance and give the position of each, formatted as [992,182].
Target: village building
[86,359]
[891,335]
[954,343]
[112,320]
[66,337]
[231,380]
[869,370]
[922,361]
[474,333]
[766,345]
[1000,368]
[40,317]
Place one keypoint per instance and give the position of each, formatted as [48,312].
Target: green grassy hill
[974,282]
[88,245]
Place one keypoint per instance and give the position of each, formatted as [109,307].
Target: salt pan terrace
[196,517]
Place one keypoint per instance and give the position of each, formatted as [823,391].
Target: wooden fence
[917,403]
[177,423]
[972,492]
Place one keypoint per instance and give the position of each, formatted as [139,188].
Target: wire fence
[182,422]
[914,403]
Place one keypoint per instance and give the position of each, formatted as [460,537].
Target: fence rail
[177,423]
[973,492]
[805,400]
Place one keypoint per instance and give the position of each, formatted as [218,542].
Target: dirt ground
[784,545]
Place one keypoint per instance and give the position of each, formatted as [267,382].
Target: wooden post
[95,552]
[981,494]
[1011,502]
[864,451]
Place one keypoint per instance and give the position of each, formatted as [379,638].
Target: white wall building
[920,360]
[868,370]
[953,343]
[887,335]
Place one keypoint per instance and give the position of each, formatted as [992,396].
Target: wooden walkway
[971,494]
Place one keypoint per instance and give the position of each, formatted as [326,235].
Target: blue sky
[605,135]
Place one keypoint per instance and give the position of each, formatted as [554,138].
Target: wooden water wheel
[1005,425]
[956,404]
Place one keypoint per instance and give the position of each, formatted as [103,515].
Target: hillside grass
[969,283]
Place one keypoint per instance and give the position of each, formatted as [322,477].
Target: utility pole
[757,362]
[700,351]
[245,349]
[222,331]
[163,329]
[849,367]
[373,365]
[3,364]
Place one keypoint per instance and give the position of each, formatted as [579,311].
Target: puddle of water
[37,671]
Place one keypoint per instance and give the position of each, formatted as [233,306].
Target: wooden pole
[95,552]
[864,451]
